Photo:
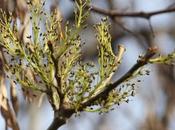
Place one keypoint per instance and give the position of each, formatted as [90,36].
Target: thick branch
[56,123]
[145,15]
[141,62]
[60,118]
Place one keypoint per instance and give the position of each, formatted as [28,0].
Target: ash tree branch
[58,79]
[60,118]
[103,94]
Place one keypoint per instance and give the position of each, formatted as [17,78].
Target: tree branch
[58,79]
[60,118]
[145,15]
[141,62]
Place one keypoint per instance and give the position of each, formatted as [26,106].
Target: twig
[58,79]
[123,27]
[111,6]
[141,62]
[145,15]
[151,28]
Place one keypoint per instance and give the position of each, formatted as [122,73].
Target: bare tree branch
[145,15]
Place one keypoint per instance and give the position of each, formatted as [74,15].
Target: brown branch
[60,118]
[141,62]
[145,15]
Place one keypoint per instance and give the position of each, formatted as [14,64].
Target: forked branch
[140,63]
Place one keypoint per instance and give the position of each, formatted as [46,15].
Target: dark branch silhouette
[145,15]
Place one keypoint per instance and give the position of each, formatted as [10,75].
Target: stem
[56,123]
[145,15]
[60,118]
[102,94]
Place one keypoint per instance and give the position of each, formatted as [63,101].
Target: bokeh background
[153,106]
